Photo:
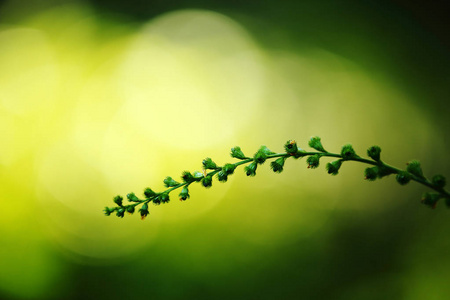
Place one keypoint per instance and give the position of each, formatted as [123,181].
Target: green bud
[132,197]
[438,181]
[315,143]
[118,200]
[250,170]
[374,153]
[187,177]
[144,211]
[157,200]
[184,193]
[130,209]
[291,147]
[265,150]
[149,193]
[277,165]
[165,198]
[334,166]
[371,173]
[208,164]
[108,211]
[261,156]
[229,169]
[403,177]
[414,168]
[120,212]
[207,181]
[431,199]
[222,176]
[236,152]
[198,175]
[348,152]
[313,161]
[169,182]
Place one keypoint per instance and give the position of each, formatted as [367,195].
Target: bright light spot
[29,75]
[192,79]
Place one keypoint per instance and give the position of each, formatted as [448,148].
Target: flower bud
[157,200]
[265,150]
[120,212]
[222,176]
[371,173]
[403,177]
[313,161]
[291,147]
[208,164]
[132,197]
[169,182]
[130,209]
[207,181]
[149,193]
[187,177]
[277,165]
[414,168]
[431,199]
[108,211]
[315,143]
[118,200]
[374,153]
[236,152]
[348,152]
[438,181]
[198,175]
[250,170]
[229,168]
[184,193]
[144,211]
[261,155]
[334,166]
[165,198]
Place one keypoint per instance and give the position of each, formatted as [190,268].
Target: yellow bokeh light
[29,69]
[192,79]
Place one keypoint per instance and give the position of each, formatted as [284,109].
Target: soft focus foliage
[95,102]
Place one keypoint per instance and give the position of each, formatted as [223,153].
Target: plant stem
[394,170]
[379,169]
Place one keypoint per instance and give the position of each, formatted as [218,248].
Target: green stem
[393,170]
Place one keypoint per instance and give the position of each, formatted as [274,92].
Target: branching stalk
[378,170]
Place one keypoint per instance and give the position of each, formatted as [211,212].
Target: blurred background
[99,98]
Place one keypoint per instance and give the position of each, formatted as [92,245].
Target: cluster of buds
[211,170]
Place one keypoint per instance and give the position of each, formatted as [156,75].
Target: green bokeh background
[99,98]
